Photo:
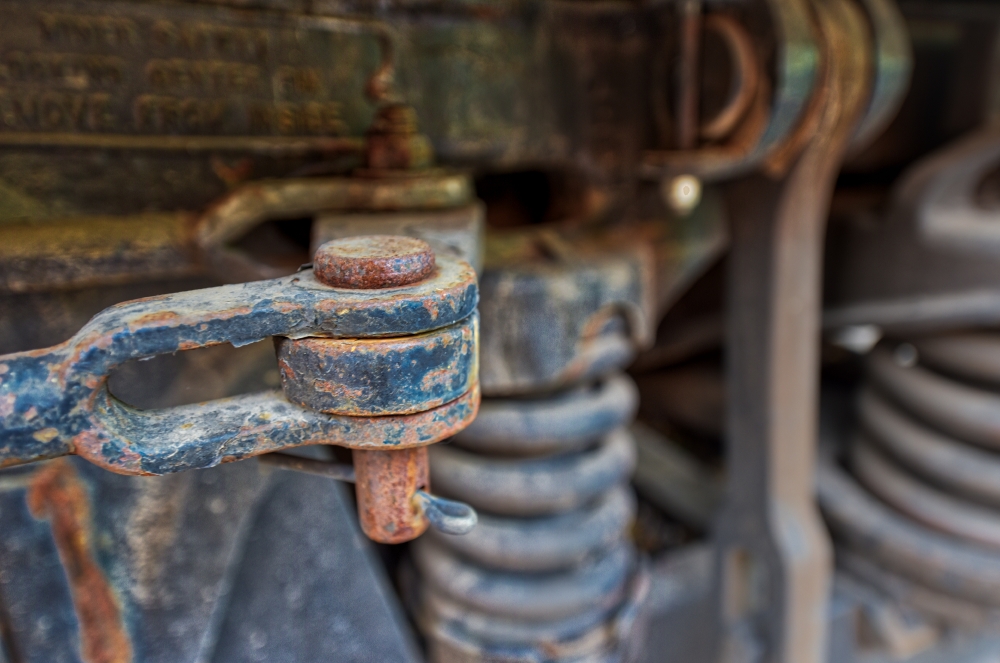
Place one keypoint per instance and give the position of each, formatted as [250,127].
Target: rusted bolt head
[398,119]
[393,141]
[373,261]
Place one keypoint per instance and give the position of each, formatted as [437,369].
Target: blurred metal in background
[641,190]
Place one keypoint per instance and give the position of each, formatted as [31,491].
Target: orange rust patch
[339,390]
[432,307]
[386,482]
[439,378]
[90,445]
[57,495]
[287,307]
[155,318]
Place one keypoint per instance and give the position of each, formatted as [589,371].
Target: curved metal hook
[447,516]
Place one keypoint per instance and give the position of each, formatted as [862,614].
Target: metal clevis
[377,345]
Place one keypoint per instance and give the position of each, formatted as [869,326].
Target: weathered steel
[380,376]
[308,586]
[55,401]
[393,142]
[776,109]
[566,422]
[247,207]
[534,487]
[550,473]
[931,527]
[670,478]
[894,66]
[458,231]
[83,251]
[963,411]
[322,468]
[57,495]
[548,543]
[942,608]
[558,310]
[445,516]
[926,504]
[960,467]
[939,561]
[387,482]
[373,261]
[773,556]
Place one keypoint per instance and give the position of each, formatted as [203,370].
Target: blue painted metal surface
[380,376]
[55,401]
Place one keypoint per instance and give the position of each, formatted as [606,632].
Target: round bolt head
[373,261]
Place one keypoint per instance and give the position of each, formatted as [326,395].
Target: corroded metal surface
[55,401]
[537,427]
[387,482]
[558,311]
[57,495]
[931,263]
[458,231]
[939,561]
[87,251]
[373,261]
[380,376]
[534,487]
[255,202]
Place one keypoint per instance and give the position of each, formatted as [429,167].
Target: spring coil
[920,517]
[549,573]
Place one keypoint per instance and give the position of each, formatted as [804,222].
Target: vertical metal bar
[688,74]
[773,553]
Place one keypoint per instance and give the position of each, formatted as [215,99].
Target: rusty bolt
[372,262]
[387,481]
[393,142]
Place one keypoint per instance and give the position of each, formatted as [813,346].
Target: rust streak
[57,495]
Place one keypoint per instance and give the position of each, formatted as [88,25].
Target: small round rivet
[373,261]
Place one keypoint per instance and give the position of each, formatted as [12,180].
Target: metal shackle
[379,370]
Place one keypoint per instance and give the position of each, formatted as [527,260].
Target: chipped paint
[64,387]
[364,377]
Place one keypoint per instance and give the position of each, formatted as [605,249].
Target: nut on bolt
[393,142]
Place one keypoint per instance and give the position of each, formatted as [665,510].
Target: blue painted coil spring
[549,573]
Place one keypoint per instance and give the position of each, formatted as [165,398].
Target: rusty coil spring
[548,574]
[920,517]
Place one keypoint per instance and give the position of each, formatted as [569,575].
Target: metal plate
[89,73]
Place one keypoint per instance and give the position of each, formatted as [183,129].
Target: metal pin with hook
[446,516]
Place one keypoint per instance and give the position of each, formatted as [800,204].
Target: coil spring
[548,574]
[922,522]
